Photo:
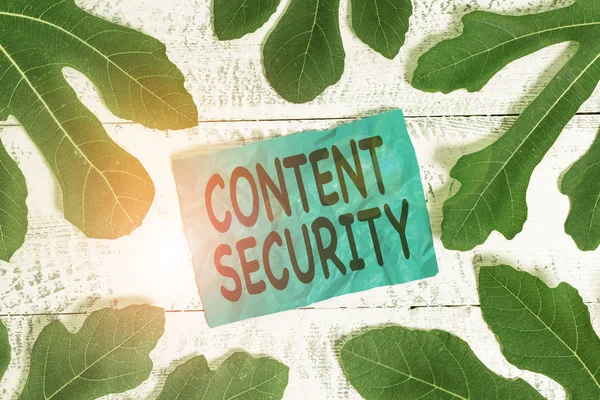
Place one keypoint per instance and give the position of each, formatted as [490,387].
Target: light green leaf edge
[304,54]
[582,184]
[236,18]
[109,354]
[4,350]
[543,330]
[240,377]
[382,24]
[13,206]
[399,363]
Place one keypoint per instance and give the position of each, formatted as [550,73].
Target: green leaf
[13,206]
[399,363]
[239,377]
[582,185]
[106,191]
[304,54]
[494,180]
[541,329]
[236,18]
[108,355]
[4,350]
[382,24]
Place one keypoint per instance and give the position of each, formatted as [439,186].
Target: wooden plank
[305,340]
[228,83]
[59,270]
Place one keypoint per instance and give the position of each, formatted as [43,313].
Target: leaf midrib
[305,57]
[41,21]
[591,224]
[78,375]
[550,330]
[187,380]
[257,386]
[66,134]
[504,43]
[3,242]
[521,145]
[407,375]
[379,25]
[232,19]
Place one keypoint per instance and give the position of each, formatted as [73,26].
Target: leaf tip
[582,238]
[390,55]
[452,239]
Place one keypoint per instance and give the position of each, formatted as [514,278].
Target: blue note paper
[290,221]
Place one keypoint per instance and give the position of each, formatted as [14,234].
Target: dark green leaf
[4,350]
[494,180]
[108,355]
[582,185]
[236,18]
[106,191]
[304,54]
[240,377]
[13,206]
[541,329]
[382,24]
[399,363]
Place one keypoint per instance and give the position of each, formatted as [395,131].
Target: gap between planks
[63,314]
[438,306]
[348,118]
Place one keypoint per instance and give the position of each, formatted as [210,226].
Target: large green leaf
[4,350]
[382,24]
[13,208]
[542,329]
[108,355]
[106,191]
[236,18]
[494,180]
[582,185]
[239,377]
[399,363]
[304,54]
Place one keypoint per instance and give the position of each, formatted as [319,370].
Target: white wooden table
[61,274]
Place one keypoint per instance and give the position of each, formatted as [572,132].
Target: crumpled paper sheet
[399,171]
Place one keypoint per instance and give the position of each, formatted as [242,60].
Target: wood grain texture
[60,273]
